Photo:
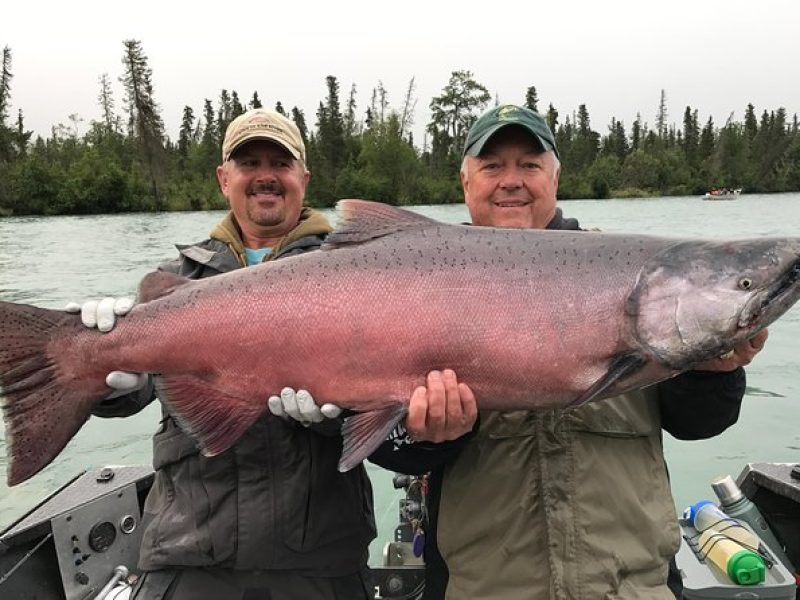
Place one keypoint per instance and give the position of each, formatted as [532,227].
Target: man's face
[512,183]
[265,187]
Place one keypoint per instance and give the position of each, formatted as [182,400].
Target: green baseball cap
[494,120]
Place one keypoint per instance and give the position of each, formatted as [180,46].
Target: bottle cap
[746,568]
[691,511]
[726,489]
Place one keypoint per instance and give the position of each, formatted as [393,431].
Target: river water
[49,261]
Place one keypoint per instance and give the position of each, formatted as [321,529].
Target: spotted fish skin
[528,319]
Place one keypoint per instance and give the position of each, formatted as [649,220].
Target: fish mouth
[786,283]
[773,301]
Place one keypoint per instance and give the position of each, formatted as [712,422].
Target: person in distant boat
[553,504]
[272,518]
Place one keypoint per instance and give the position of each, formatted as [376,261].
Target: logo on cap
[507,113]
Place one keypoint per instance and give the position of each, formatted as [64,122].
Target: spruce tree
[330,130]
[636,132]
[616,142]
[236,106]
[407,113]
[750,122]
[144,124]
[691,136]
[21,137]
[224,113]
[705,148]
[661,116]
[532,99]
[209,124]
[350,125]
[185,134]
[5,102]
[552,117]
[300,120]
[454,111]
[209,140]
[5,84]
[106,101]
[585,142]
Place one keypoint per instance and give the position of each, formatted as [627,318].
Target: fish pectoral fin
[364,432]
[622,366]
[215,417]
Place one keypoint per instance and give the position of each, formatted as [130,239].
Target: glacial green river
[49,261]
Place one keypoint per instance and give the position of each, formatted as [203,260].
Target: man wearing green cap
[555,504]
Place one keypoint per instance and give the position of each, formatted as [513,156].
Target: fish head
[697,299]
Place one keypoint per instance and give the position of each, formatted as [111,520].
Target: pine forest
[125,162]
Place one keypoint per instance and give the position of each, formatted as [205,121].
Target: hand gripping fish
[529,319]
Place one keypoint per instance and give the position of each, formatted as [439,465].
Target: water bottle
[705,515]
[737,505]
[743,566]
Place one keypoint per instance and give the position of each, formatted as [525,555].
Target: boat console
[75,543]
[82,542]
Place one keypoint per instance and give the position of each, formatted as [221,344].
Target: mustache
[272,188]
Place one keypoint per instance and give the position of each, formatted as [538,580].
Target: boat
[722,194]
[82,541]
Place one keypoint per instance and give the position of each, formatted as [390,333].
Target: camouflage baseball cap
[494,120]
[263,124]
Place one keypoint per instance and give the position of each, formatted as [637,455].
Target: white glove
[300,406]
[123,382]
[103,315]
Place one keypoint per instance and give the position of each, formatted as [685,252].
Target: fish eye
[745,283]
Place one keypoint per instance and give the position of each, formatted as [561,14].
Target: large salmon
[528,319]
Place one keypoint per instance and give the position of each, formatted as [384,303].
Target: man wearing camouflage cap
[271,518]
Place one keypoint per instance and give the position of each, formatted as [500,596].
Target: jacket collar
[560,222]
[229,234]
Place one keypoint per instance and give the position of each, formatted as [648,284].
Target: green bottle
[743,566]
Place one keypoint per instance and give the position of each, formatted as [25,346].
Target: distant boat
[723,194]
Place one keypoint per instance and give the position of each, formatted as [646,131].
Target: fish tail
[42,407]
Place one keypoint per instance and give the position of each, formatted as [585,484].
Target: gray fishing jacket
[275,500]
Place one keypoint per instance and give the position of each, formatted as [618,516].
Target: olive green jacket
[561,505]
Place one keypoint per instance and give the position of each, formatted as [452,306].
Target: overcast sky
[615,55]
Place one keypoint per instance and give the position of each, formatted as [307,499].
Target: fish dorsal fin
[361,221]
[159,284]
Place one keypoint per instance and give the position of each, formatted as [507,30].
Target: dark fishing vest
[275,500]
